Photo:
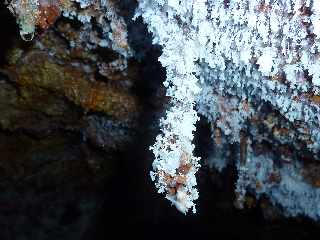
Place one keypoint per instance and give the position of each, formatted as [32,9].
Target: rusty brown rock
[38,70]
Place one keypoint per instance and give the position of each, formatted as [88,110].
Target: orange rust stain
[274,178]
[277,78]
[185,168]
[95,97]
[281,131]
[181,179]
[245,106]
[47,16]
[217,136]
[264,8]
[315,99]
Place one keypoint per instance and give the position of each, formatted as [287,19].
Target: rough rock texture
[68,110]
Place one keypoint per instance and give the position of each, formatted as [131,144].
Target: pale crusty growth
[113,29]
[27,12]
[175,26]
[35,13]
[248,49]
[41,14]
[265,53]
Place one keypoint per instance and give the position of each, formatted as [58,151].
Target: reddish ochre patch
[184,169]
[180,179]
[48,15]
[264,8]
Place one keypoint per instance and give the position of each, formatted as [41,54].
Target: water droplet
[27,36]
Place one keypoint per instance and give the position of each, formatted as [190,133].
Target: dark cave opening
[9,31]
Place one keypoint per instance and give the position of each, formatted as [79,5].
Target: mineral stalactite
[244,56]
